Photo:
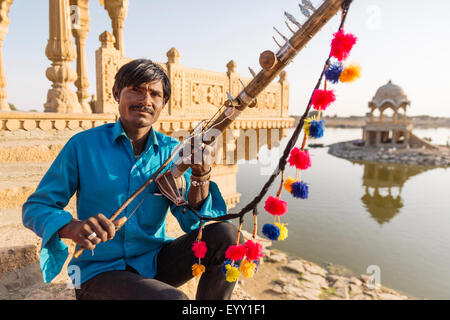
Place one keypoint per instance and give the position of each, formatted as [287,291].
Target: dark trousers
[174,268]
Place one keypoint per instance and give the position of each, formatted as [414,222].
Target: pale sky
[406,41]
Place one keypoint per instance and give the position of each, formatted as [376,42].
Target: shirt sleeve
[213,206]
[44,212]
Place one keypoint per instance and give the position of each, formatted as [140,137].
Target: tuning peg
[276,42]
[292,19]
[289,27]
[304,11]
[281,35]
[252,72]
[308,5]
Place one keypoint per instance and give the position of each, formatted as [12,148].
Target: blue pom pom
[316,129]
[224,269]
[333,72]
[271,231]
[300,190]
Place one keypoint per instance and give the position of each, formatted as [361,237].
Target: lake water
[401,230]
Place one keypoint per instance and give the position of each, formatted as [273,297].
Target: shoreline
[281,276]
[418,122]
[350,150]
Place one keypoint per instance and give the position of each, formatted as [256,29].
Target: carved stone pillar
[233,76]
[284,94]
[60,50]
[117,11]
[4,23]
[175,74]
[80,29]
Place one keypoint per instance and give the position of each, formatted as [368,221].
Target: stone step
[33,153]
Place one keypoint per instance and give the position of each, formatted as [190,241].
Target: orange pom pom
[288,184]
[197,270]
[350,73]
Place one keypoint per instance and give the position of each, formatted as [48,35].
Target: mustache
[142,108]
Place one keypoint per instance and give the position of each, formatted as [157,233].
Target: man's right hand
[79,231]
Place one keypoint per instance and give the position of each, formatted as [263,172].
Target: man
[104,166]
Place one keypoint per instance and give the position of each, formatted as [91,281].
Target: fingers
[103,228]
[96,229]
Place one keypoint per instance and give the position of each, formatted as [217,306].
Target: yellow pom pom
[197,270]
[288,184]
[306,125]
[247,268]
[350,73]
[232,273]
[283,230]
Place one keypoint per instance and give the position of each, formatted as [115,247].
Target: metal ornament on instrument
[304,11]
[308,5]
[286,53]
[292,19]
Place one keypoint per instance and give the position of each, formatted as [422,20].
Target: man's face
[141,106]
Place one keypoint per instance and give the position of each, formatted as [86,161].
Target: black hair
[139,71]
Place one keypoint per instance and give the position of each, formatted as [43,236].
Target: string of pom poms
[239,257]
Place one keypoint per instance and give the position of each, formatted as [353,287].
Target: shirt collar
[118,131]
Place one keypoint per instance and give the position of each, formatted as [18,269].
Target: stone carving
[80,29]
[4,23]
[60,50]
[117,11]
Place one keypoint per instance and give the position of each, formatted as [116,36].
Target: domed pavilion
[388,125]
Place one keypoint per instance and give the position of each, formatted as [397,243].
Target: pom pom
[316,128]
[288,183]
[224,267]
[300,159]
[300,190]
[270,231]
[275,206]
[232,273]
[199,248]
[321,99]
[342,44]
[283,230]
[247,268]
[197,270]
[254,250]
[236,252]
[350,73]
[333,72]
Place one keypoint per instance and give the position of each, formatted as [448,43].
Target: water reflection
[383,188]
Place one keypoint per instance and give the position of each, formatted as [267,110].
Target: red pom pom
[300,159]
[254,250]
[199,248]
[321,99]
[342,44]
[236,252]
[275,206]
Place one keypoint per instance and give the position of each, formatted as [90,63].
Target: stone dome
[389,93]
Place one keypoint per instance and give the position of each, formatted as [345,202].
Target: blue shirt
[99,165]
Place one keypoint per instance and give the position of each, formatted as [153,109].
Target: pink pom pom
[300,159]
[236,252]
[321,99]
[199,248]
[342,44]
[254,250]
[275,206]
